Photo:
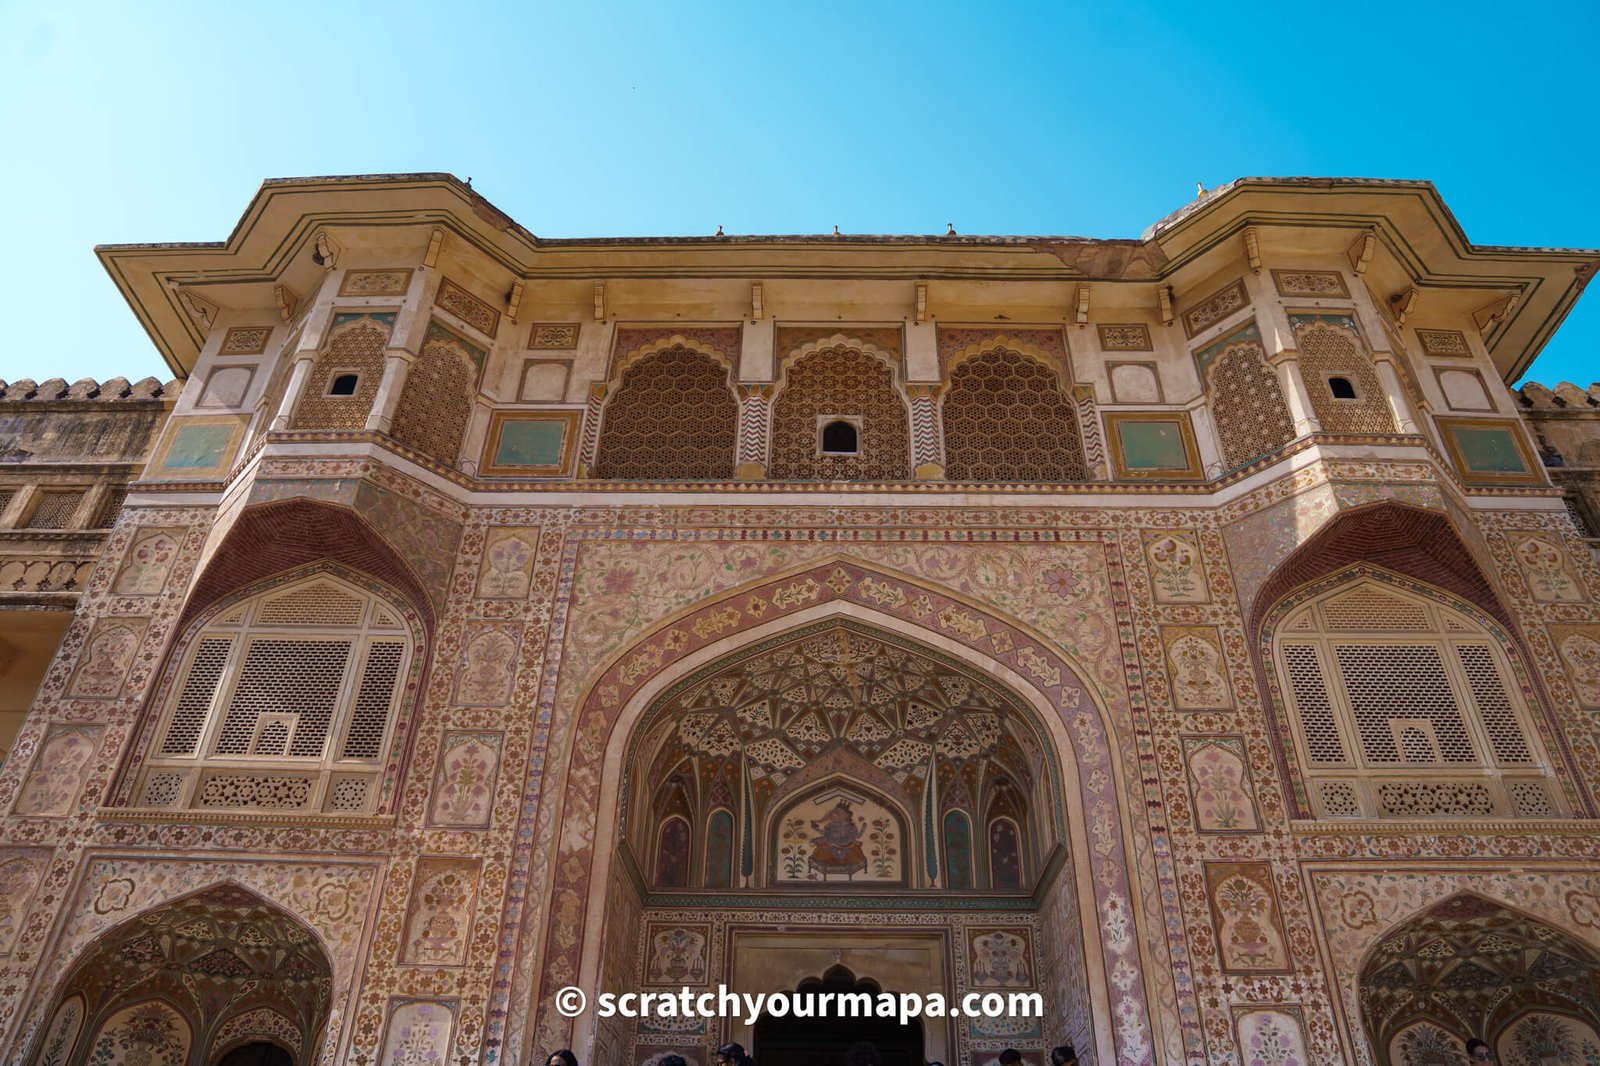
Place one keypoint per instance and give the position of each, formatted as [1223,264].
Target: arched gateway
[844,787]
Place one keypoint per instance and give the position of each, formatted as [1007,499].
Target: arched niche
[1422,551]
[327,659]
[1470,968]
[219,966]
[1088,888]
[844,750]
[671,415]
[1405,703]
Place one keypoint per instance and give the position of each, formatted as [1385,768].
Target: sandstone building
[1193,629]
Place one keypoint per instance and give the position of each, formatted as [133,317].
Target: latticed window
[1405,708]
[285,702]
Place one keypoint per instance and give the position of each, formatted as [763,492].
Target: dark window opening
[344,385]
[839,438]
[1341,388]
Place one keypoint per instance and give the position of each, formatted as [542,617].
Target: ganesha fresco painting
[839,834]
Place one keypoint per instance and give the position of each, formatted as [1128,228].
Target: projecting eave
[1421,245]
[273,241]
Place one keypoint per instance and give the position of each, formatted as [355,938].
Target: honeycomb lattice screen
[1412,715]
[304,679]
[1328,351]
[357,347]
[1006,419]
[436,402]
[1247,404]
[54,510]
[846,382]
[672,418]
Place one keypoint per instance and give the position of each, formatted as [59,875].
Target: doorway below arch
[257,1053]
[791,1041]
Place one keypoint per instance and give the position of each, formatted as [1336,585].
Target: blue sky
[156,122]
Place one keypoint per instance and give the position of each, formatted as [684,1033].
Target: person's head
[1478,1052]
[1010,1055]
[673,1060]
[731,1053]
[1065,1055]
[561,1058]
[862,1053]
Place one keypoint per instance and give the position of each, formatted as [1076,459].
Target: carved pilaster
[755,431]
[927,432]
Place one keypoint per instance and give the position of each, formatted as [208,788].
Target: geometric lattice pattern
[672,418]
[1006,419]
[437,401]
[356,348]
[842,381]
[235,967]
[1247,404]
[1472,968]
[1407,713]
[54,510]
[289,678]
[843,698]
[1328,351]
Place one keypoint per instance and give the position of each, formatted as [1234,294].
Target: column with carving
[1295,395]
[927,432]
[1094,445]
[755,431]
[589,443]
[396,365]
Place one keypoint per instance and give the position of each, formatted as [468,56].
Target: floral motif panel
[58,772]
[506,572]
[1271,1038]
[1249,930]
[1219,781]
[1000,958]
[418,1033]
[107,659]
[439,925]
[1177,569]
[463,790]
[148,1034]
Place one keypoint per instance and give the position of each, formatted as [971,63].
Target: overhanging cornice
[271,244]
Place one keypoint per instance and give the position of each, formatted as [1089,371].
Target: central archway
[665,916]
[791,1041]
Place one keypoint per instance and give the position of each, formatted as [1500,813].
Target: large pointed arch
[197,963]
[1017,657]
[1471,967]
[278,536]
[1422,551]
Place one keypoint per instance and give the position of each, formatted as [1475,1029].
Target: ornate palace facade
[1194,630]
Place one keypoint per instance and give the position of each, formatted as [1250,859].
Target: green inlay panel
[531,442]
[1489,450]
[1152,446]
[198,447]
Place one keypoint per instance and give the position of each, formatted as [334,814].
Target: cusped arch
[436,400]
[355,344]
[1008,416]
[352,649]
[845,377]
[671,414]
[260,955]
[620,691]
[1420,552]
[1472,966]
